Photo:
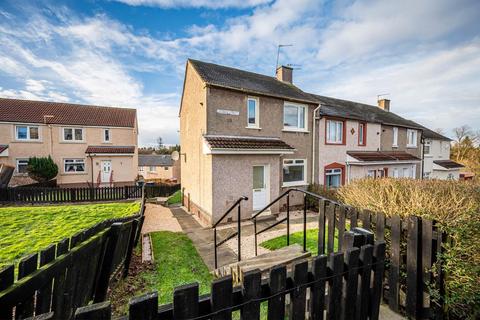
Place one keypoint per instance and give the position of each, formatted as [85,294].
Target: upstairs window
[335,134]
[106,135]
[294,172]
[395,137]
[252,113]
[27,133]
[426,147]
[362,134]
[73,134]
[294,117]
[411,138]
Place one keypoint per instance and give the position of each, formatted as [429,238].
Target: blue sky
[132,53]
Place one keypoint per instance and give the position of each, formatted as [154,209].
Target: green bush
[42,169]
[455,205]
[322,191]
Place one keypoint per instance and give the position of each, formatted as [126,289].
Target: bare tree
[462,132]
[440,131]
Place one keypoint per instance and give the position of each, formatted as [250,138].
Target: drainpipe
[91,167]
[313,144]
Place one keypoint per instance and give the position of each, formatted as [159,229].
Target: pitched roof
[157,160]
[367,156]
[28,111]
[110,149]
[243,143]
[430,134]
[231,78]
[448,164]
[359,111]
[3,147]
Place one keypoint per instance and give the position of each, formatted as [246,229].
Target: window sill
[107,142]
[294,184]
[73,142]
[74,173]
[395,146]
[295,130]
[28,141]
[411,147]
[255,128]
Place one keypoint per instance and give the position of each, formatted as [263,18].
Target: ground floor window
[22,165]
[74,165]
[333,178]
[151,169]
[294,171]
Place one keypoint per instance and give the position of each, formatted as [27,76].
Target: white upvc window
[406,172]
[294,117]
[106,135]
[21,165]
[152,169]
[395,137]
[411,138]
[27,133]
[253,115]
[74,165]
[73,134]
[335,131]
[426,147]
[395,173]
[333,178]
[294,172]
[141,169]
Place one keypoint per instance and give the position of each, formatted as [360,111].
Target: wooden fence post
[131,244]
[299,294]
[7,278]
[317,292]
[414,299]
[321,226]
[335,285]
[107,262]
[394,272]
[97,311]
[221,298]
[378,272]
[350,289]
[276,304]
[251,290]
[185,302]
[144,307]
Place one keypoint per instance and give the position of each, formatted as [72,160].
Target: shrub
[455,206]
[42,169]
[320,190]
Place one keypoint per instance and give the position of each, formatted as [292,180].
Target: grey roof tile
[156,160]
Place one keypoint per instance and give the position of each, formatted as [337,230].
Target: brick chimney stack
[384,104]
[285,74]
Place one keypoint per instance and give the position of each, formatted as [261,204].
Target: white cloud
[211,4]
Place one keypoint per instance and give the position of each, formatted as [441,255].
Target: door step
[264,262]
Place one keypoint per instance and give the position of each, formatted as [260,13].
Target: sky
[425,54]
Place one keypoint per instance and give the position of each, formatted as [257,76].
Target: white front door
[260,187]
[106,171]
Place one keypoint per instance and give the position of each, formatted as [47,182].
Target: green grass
[177,262]
[26,230]
[175,198]
[297,237]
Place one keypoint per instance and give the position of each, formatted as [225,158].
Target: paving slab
[159,218]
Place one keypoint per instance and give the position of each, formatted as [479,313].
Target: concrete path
[202,239]
[159,218]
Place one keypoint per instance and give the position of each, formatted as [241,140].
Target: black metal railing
[233,235]
[287,218]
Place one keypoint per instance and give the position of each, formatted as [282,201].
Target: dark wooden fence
[59,195]
[345,285]
[71,273]
[413,245]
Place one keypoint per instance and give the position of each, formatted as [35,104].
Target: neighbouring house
[91,145]
[158,166]
[436,157]
[248,134]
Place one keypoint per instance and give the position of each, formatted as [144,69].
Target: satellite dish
[175,155]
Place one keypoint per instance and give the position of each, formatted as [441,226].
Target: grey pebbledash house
[248,134]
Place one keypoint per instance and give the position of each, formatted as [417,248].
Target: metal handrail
[238,233]
[287,193]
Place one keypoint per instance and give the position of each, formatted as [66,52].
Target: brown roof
[382,155]
[3,147]
[110,149]
[448,164]
[28,111]
[223,142]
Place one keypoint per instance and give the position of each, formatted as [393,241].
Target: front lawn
[26,230]
[297,237]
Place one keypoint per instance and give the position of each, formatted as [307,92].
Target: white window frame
[73,134]
[395,173]
[395,137]
[361,134]
[328,123]
[427,144]
[414,134]
[305,116]
[75,161]
[333,172]
[255,125]
[104,135]
[150,169]
[294,163]
[141,169]
[407,170]
[17,162]
[28,132]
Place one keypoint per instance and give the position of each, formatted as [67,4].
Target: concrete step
[264,262]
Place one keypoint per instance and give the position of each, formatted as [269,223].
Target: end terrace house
[248,134]
[91,145]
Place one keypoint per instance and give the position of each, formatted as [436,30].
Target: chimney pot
[384,104]
[285,74]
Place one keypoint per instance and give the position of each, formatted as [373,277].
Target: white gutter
[313,144]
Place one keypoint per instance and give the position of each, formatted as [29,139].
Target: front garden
[26,230]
